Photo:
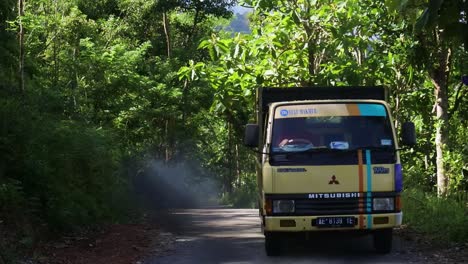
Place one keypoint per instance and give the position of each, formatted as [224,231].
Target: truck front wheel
[383,240]
[272,244]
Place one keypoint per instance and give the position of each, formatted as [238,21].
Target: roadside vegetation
[94,92]
[442,219]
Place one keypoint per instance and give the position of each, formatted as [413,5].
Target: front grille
[331,203]
[341,206]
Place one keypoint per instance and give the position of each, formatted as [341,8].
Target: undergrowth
[56,175]
[443,218]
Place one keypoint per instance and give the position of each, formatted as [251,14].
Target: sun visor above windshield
[316,110]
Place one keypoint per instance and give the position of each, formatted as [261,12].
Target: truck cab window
[349,132]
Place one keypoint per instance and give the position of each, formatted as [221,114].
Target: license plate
[335,222]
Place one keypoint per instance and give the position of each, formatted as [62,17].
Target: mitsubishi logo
[333,180]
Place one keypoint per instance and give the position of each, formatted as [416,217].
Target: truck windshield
[300,128]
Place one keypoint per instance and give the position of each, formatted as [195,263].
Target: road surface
[234,236]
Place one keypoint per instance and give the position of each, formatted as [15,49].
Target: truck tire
[383,240]
[272,244]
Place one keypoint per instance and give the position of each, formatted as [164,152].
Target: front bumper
[304,223]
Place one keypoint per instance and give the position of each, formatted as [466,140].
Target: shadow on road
[234,236]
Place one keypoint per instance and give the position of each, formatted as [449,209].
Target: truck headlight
[383,204]
[283,206]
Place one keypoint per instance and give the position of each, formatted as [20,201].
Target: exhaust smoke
[162,185]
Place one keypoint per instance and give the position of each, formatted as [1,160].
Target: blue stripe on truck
[369,188]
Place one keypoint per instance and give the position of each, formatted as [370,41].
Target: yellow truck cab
[327,160]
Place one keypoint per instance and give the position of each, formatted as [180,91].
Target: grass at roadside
[444,219]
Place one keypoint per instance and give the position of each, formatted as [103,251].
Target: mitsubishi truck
[327,160]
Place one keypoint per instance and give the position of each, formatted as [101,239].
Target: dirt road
[234,236]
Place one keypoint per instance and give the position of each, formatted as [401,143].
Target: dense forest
[93,93]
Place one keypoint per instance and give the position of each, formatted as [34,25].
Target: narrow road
[234,236]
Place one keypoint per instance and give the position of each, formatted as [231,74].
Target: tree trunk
[56,51]
[74,78]
[3,133]
[228,183]
[439,80]
[191,34]
[184,102]
[238,168]
[166,33]
[311,54]
[167,155]
[311,41]
[397,109]
[21,45]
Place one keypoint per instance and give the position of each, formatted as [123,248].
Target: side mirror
[408,134]
[251,135]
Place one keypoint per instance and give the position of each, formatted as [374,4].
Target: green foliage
[443,218]
[7,45]
[64,173]
[348,48]
[101,96]
[12,198]
[352,43]
[245,195]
